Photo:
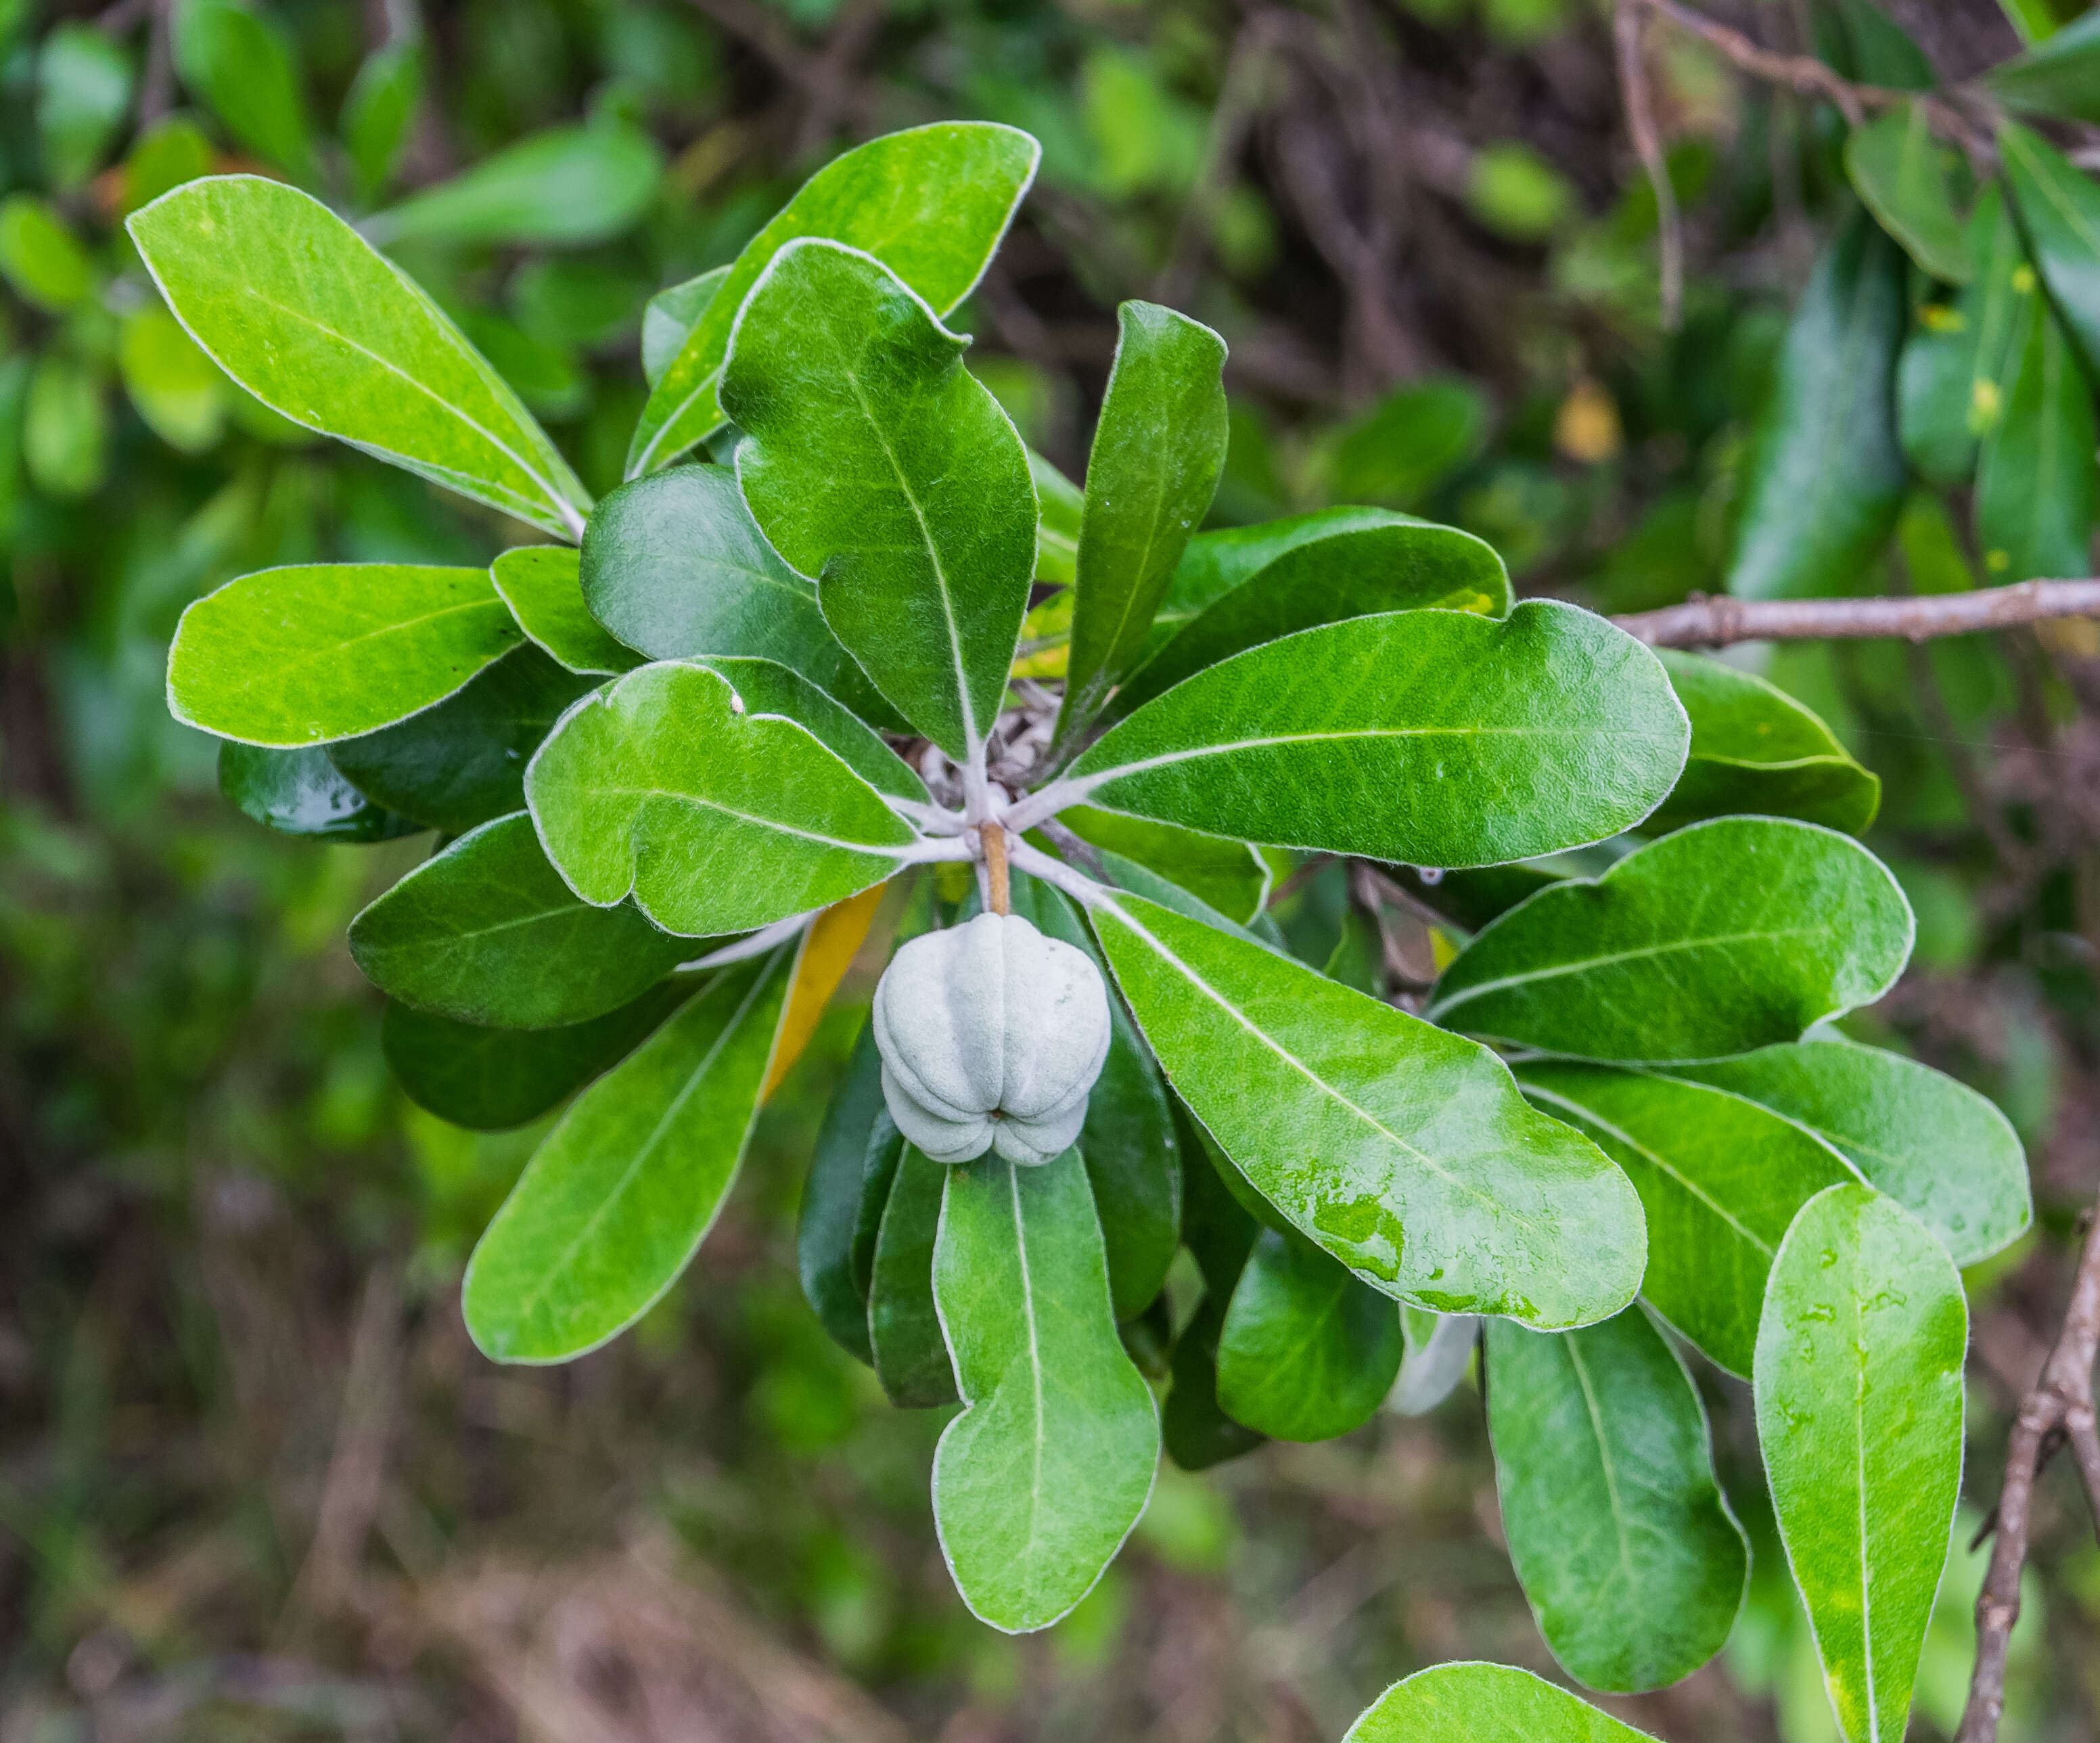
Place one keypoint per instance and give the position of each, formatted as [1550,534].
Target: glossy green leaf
[1039,1479]
[1938,1148]
[1394,564]
[716,820]
[315,651]
[1194,1431]
[2058,76]
[172,151]
[1132,1149]
[241,65]
[930,203]
[1308,1350]
[379,110]
[1827,476]
[1483,1703]
[903,1326]
[1229,875]
[540,583]
[493,1080]
[1900,170]
[175,388]
[1405,1152]
[487,933]
[835,1236]
[2059,209]
[83,95]
[1859,1416]
[1859,40]
[564,187]
[615,1202]
[1435,738]
[669,318]
[463,762]
[300,310]
[1412,440]
[42,260]
[768,687]
[2036,483]
[876,463]
[1158,451]
[1726,935]
[1719,1177]
[1952,383]
[302,792]
[1756,749]
[65,427]
[1633,1562]
[673,564]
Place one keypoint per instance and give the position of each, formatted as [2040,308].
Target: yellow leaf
[835,939]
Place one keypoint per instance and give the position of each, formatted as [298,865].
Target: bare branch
[1811,78]
[1648,144]
[1717,620]
[2058,1407]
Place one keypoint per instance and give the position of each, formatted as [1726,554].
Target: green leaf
[1158,451]
[1229,875]
[65,427]
[1937,1147]
[300,310]
[1859,41]
[1435,738]
[1195,1432]
[1951,384]
[715,818]
[2036,483]
[463,762]
[1726,935]
[565,188]
[1900,171]
[302,792]
[493,1080]
[540,583]
[2059,208]
[1129,1141]
[1719,1177]
[876,463]
[1471,899]
[1633,1563]
[42,260]
[177,390]
[1756,749]
[379,110]
[1406,1153]
[1039,1479]
[669,318]
[903,1326]
[1436,1350]
[674,565]
[2058,76]
[1063,513]
[486,933]
[843,1199]
[615,1202]
[768,687]
[1307,1350]
[1483,1703]
[1356,571]
[83,95]
[1827,476]
[1409,442]
[171,152]
[1859,1416]
[547,378]
[315,651]
[931,204]
[242,66]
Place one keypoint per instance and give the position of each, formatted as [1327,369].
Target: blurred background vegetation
[254,1482]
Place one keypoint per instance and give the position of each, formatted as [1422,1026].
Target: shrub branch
[1717,620]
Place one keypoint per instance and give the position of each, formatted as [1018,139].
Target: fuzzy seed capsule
[991,1036]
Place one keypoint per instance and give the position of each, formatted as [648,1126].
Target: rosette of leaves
[678,755]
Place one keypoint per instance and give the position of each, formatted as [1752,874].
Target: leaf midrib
[1530,977]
